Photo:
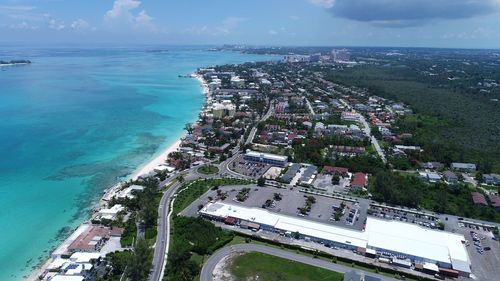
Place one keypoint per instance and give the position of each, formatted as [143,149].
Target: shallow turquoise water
[73,123]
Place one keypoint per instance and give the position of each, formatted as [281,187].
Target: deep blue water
[73,123]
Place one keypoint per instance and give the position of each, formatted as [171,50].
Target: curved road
[209,266]
[163,227]
[162,238]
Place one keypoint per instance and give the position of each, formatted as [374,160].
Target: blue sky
[418,23]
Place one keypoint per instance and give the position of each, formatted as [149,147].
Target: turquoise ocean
[75,122]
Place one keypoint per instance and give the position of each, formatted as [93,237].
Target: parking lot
[426,220]
[288,202]
[249,168]
[484,252]
[324,183]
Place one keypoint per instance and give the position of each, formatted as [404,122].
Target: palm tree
[189,128]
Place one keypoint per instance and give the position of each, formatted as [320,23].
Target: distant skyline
[405,23]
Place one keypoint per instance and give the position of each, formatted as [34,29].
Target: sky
[406,23]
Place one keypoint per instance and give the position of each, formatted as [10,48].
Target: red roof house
[495,202]
[358,180]
[335,170]
[479,199]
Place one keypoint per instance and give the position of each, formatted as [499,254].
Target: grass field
[208,169]
[258,266]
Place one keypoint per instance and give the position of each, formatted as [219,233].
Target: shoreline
[154,161]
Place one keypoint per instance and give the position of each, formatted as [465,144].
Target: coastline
[145,168]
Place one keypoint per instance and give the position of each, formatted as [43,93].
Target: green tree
[335,179]
[181,178]
[140,263]
[119,261]
[261,181]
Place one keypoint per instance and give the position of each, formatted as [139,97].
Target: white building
[237,82]
[67,278]
[341,55]
[223,109]
[395,238]
[408,147]
[110,213]
[350,116]
[129,191]
[216,83]
[463,167]
[84,257]
[267,158]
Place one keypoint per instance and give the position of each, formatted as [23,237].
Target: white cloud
[122,7]
[143,18]
[228,25]
[323,3]
[23,26]
[56,24]
[123,15]
[21,13]
[273,32]
[81,25]
[294,17]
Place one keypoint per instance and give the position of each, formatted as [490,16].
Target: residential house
[463,167]
[479,199]
[335,170]
[495,202]
[492,179]
[450,177]
[432,165]
[358,181]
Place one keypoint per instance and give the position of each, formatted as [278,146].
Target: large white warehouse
[403,240]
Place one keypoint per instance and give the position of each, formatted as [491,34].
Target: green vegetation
[194,238]
[339,211]
[203,237]
[307,206]
[408,190]
[243,194]
[140,262]
[260,266]
[144,210]
[310,150]
[134,264]
[368,267]
[261,181]
[129,232]
[455,121]
[208,169]
[119,260]
[195,189]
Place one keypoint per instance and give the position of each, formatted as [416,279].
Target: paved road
[162,238]
[310,107]
[224,169]
[163,232]
[374,141]
[209,266]
[268,114]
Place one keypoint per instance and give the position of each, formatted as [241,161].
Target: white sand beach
[149,166]
[156,161]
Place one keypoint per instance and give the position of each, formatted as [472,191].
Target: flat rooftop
[393,236]
[416,240]
[266,155]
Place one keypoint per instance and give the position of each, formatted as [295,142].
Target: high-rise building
[339,55]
